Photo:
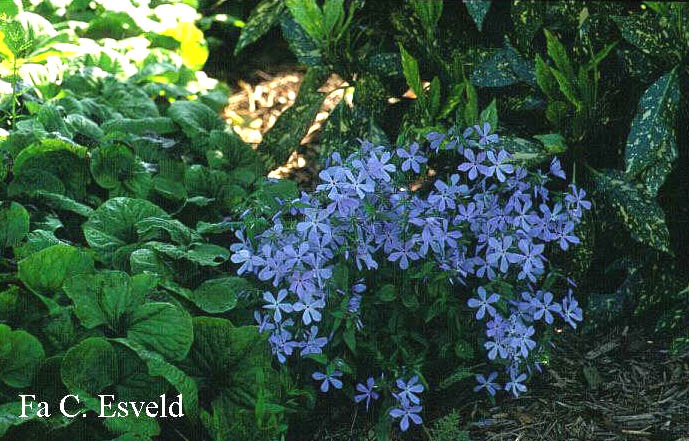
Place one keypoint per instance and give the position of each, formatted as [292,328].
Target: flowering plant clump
[377,216]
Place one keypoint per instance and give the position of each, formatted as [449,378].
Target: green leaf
[387,293]
[524,152]
[158,367]
[478,9]
[262,18]
[309,16]
[11,8]
[333,17]
[14,224]
[567,88]
[84,126]
[527,18]
[112,225]
[471,109]
[216,296]
[285,136]
[45,271]
[61,202]
[553,142]
[490,114]
[112,164]
[103,298]
[652,141]
[410,67]
[9,412]
[434,97]
[90,366]
[429,13]
[58,158]
[140,126]
[650,35]
[196,119]
[505,67]
[545,78]
[151,327]
[635,209]
[20,356]
[300,43]
[558,53]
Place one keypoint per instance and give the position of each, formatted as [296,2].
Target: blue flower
[485,137]
[483,304]
[408,389]
[488,384]
[367,392]
[412,160]
[515,385]
[328,380]
[473,164]
[407,412]
[556,169]
[310,306]
[276,304]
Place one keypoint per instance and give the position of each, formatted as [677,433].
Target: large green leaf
[58,158]
[478,9]
[104,298]
[158,367]
[216,296]
[90,366]
[429,13]
[263,17]
[45,271]
[111,165]
[112,225]
[163,328]
[652,36]
[634,209]
[20,357]
[195,118]
[14,224]
[410,68]
[651,144]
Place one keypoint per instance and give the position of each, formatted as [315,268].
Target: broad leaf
[45,271]
[20,356]
[263,17]
[652,143]
[478,9]
[195,118]
[14,224]
[163,328]
[634,209]
[216,296]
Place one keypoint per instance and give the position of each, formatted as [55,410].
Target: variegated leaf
[652,141]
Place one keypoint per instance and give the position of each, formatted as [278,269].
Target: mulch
[617,387]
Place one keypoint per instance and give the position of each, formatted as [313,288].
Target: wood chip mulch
[256,106]
[621,387]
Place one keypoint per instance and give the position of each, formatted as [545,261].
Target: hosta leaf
[216,296]
[90,366]
[9,416]
[651,144]
[61,202]
[103,298]
[45,271]
[478,9]
[14,224]
[112,164]
[84,126]
[151,325]
[139,126]
[112,225]
[158,367]
[292,125]
[634,208]
[263,17]
[20,356]
[195,118]
[58,158]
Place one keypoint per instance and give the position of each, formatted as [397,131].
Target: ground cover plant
[507,180]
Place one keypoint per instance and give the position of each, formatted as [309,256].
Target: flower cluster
[486,226]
